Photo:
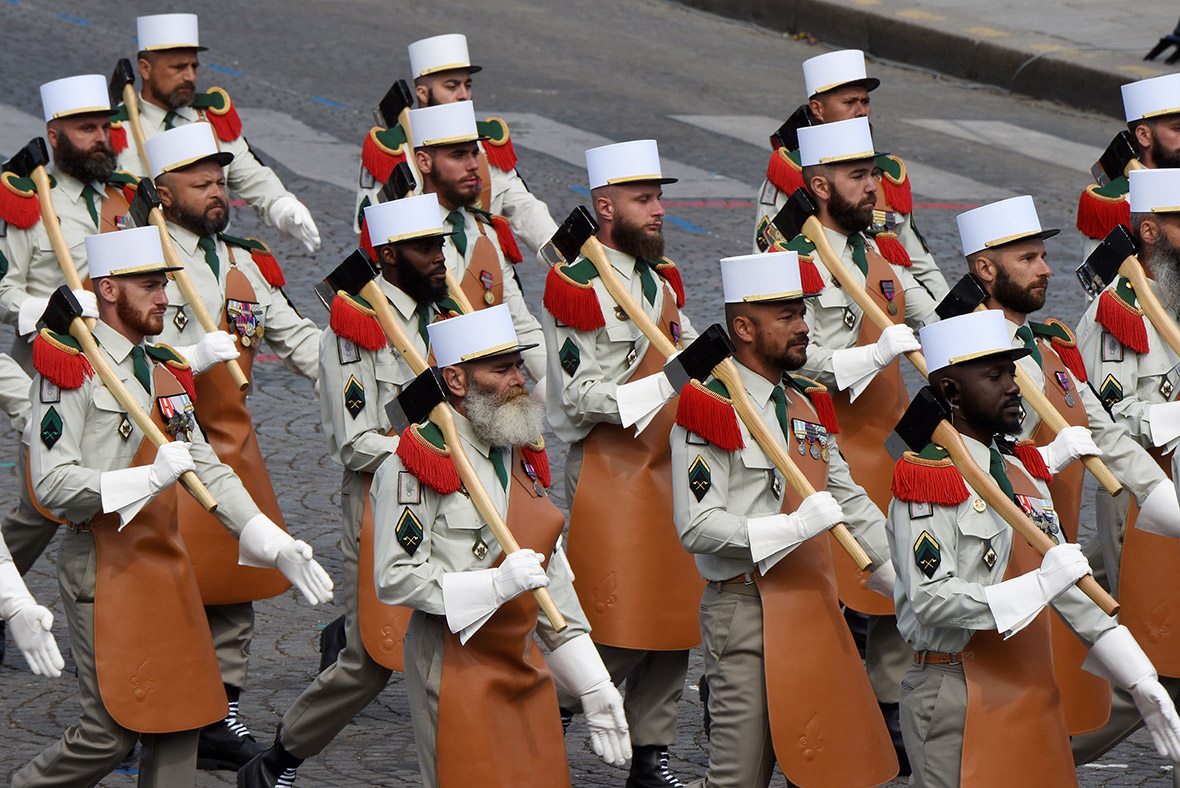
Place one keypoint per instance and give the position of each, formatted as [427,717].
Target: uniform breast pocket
[463,518]
[754,458]
[979,525]
[116,435]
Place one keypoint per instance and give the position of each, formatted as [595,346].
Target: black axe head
[566,243]
[146,198]
[400,183]
[799,208]
[28,158]
[399,97]
[918,423]
[355,272]
[417,399]
[122,76]
[696,361]
[787,135]
[967,294]
[63,307]
[1114,160]
[1102,266]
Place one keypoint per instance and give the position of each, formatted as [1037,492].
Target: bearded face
[97,163]
[505,419]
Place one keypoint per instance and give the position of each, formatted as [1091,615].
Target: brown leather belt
[941,657]
[742,584]
[745,577]
[79,528]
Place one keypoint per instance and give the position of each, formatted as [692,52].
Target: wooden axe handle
[982,482]
[53,227]
[80,332]
[1151,306]
[403,120]
[441,415]
[457,294]
[191,295]
[727,373]
[815,232]
[131,102]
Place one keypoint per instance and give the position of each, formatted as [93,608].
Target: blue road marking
[224,70]
[329,102]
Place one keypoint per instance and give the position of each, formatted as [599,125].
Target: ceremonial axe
[798,216]
[1117,160]
[63,315]
[122,88]
[394,110]
[709,354]
[1116,256]
[787,135]
[968,295]
[29,162]
[145,210]
[428,398]
[927,420]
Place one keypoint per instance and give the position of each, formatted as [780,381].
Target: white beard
[504,424]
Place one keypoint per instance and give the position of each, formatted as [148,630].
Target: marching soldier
[838,89]
[481,695]
[168,97]
[361,375]
[30,622]
[979,701]
[605,378]
[776,648]
[239,283]
[145,658]
[442,74]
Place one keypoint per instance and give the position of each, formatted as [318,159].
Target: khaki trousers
[26,531]
[933,713]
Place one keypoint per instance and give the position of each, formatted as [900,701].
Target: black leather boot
[332,640]
[226,744]
[273,768]
[892,714]
[649,769]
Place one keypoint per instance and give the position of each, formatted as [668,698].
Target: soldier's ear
[820,186]
[1143,135]
[424,160]
[743,329]
[456,379]
[1149,230]
[817,109]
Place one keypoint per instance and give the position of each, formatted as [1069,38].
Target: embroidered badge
[570,357]
[1166,388]
[409,532]
[181,320]
[1112,349]
[354,397]
[408,489]
[179,419]
[768,195]
[125,428]
[989,557]
[692,439]
[700,478]
[51,428]
[479,549]
[978,505]
[849,317]
[50,393]
[776,485]
[927,553]
[246,319]
[920,509]
[760,234]
[1111,391]
[347,351]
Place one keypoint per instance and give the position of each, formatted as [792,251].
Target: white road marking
[1038,145]
[17,128]
[306,151]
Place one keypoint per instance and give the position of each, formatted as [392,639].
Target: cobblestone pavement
[616,68]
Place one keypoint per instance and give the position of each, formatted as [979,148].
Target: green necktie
[170,119]
[1025,335]
[91,195]
[456,220]
[209,247]
[646,278]
[143,371]
[996,469]
[857,242]
[423,312]
[497,457]
[780,409]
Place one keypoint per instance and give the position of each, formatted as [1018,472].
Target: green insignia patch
[700,478]
[51,428]
[354,397]
[1110,392]
[927,553]
[409,531]
[570,357]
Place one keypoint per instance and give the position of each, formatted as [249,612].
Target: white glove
[518,572]
[88,301]
[1070,444]
[578,670]
[894,341]
[1160,512]
[29,623]
[292,218]
[263,544]
[855,367]
[1015,603]
[640,400]
[1117,658]
[470,598]
[772,537]
[882,580]
[214,347]
[128,490]
[538,393]
[1164,422]
[172,459]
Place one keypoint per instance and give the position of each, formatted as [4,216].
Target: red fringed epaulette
[60,360]
[1033,462]
[892,250]
[177,364]
[356,321]
[508,243]
[118,136]
[809,276]
[1124,321]
[18,201]
[784,171]
[917,479]
[821,400]
[708,412]
[538,459]
[383,150]
[571,299]
[219,110]
[1101,209]
[424,453]
[896,183]
[366,242]
[667,269]
[498,145]
[1065,344]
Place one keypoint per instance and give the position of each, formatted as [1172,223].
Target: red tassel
[432,466]
[892,250]
[225,122]
[825,409]
[928,481]
[128,192]
[268,266]
[1072,358]
[812,281]
[898,195]
[118,137]
[672,276]
[573,304]
[18,206]
[507,242]
[378,159]
[710,416]
[781,171]
[366,242]
[185,377]
[501,156]
[63,367]
[348,321]
[539,459]
[1033,462]
[1098,215]
[1123,321]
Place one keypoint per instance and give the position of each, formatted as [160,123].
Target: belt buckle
[954,658]
[748,578]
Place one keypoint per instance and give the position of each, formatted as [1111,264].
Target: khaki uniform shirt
[14,392]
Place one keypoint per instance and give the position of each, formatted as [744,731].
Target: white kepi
[404,219]
[636,161]
[440,53]
[184,146]
[168,31]
[832,143]
[1151,98]
[80,95]
[969,337]
[1155,191]
[444,124]
[482,334]
[999,223]
[835,70]
[126,253]
[773,276]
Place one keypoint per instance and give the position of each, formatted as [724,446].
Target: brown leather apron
[1150,606]
[638,586]
[1015,734]
[383,627]
[1085,697]
[861,436]
[483,281]
[114,208]
[157,672]
[485,182]
[226,422]
[498,720]
[824,719]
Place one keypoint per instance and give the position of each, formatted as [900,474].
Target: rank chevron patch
[700,478]
[927,553]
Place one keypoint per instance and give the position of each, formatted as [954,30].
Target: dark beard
[1164,262]
[181,97]
[1164,158]
[1012,297]
[847,216]
[416,284]
[200,223]
[449,192]
[790,359]
[632,239]
[96,165]
[141,322]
